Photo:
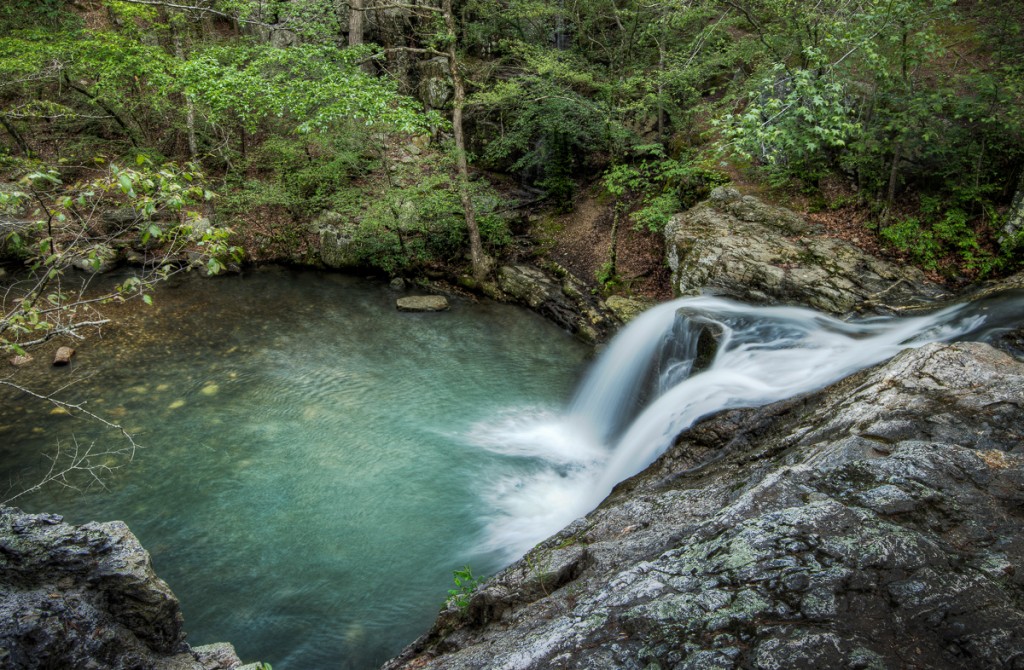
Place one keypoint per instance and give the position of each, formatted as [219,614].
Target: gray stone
[805,540]
[337,245]
[63,356]
[99,259]
[422,303]
[559,297]
[740,247]
[87,597]
[435,87]
[397,284]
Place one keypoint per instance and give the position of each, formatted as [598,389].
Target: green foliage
[942,234]
[794,124]
[314,87]
[659,186]
[66,228]
[549,131]
[465,585]
[304,173]
[423,223]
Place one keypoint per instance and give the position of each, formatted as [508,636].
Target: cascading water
[660,375]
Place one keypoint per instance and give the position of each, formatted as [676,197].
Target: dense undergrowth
[910,112]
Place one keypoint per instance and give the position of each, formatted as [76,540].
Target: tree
[88,225]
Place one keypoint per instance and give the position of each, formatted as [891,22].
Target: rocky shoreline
[874,524]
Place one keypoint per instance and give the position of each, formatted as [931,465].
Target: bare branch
[68,464]
[72,408]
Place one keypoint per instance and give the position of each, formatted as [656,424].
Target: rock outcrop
[739,247]
[877,524]
[87,597]
[560,297]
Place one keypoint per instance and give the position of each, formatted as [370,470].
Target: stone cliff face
[87,597]
[877,524]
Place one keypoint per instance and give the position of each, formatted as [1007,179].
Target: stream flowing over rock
[87,597]
[876,524]
[740,247]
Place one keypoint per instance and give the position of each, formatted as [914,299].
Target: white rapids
[676,363]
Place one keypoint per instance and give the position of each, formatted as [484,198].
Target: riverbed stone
[422,303]
[626,309]
[87,597]
[875,524]
[63,356]
[738,246]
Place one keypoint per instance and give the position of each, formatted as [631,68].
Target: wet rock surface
[739,247]
[557,296]
[87,597]
[876,524]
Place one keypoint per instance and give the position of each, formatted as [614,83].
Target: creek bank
[874,524]
[87,597]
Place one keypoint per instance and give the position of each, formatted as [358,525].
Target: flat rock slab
[422,303]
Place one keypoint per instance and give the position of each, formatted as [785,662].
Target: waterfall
[676,363]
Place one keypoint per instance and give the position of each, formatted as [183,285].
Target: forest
[225,126]
[723,479]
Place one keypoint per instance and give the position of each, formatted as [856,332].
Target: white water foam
[570,462]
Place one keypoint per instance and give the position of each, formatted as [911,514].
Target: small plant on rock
[465,585]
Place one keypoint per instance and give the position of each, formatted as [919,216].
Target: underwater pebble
[210,389]
[176,404]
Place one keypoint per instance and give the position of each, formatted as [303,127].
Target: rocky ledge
[87,597]
[876,524]
[740,247]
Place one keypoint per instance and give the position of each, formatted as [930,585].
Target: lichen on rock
[87,597]
[740,247]
[875,524]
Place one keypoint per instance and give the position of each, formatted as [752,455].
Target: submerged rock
[739,247]
[876,524]
[87,597]
[422,303]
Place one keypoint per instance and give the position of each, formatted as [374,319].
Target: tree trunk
[894,174]
[1015,218]
[15,135]
[480,264]
[190,107]
[105,107]
[356,9]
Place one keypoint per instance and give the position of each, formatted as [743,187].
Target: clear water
[307,483]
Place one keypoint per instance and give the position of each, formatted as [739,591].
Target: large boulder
[739,247]
[87,597]
[874,525]
[337,241]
